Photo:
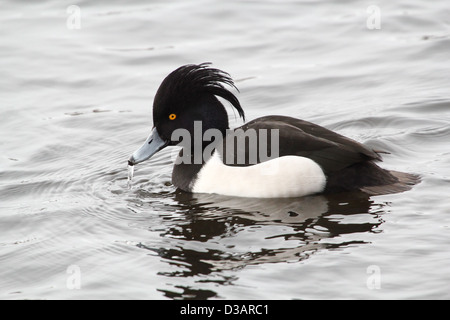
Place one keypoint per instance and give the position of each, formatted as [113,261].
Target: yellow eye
[172,116]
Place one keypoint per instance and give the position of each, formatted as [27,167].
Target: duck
[273,156]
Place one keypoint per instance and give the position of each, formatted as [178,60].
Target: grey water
[76,89]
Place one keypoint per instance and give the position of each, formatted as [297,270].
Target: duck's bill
[152,145]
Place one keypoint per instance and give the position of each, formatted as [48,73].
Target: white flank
[288,176]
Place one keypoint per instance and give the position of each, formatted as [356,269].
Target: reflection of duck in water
[214,233]
[311,159]
[291,211]
[294,212]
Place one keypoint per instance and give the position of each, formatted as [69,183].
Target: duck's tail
[405,181]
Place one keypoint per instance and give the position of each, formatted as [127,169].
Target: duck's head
[187,95]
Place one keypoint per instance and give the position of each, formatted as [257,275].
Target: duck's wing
[330,150]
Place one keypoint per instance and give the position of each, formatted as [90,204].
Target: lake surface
[76,92]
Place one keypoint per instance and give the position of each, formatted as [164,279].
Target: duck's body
[287,176]
[277,156]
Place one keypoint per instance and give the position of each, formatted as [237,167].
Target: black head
[187,95]
[190,94]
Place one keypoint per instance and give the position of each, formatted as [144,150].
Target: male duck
[308,159]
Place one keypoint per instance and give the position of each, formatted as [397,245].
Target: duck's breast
[287,176]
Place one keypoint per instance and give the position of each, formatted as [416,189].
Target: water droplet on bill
[130,175]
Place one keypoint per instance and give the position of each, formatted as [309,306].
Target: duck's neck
[204,134]
[184,175]
[193,156]
[185,170]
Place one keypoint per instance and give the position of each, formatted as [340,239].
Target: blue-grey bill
[152,145]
